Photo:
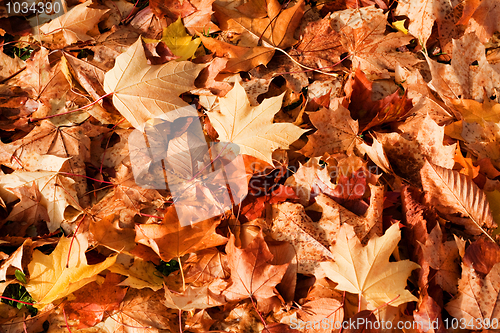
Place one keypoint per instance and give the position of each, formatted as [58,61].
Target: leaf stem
[182,274]
[15,300]
[66,320]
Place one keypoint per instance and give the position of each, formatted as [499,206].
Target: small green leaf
[20,276]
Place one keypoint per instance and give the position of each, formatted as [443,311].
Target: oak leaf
[367,271]
[142,92]
[252,128]
[62,272]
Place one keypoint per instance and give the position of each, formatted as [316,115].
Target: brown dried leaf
[452,192]
[337,132]
[442,256]
[251,273]
[477,298]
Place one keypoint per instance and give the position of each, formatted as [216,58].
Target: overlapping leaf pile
[333,160]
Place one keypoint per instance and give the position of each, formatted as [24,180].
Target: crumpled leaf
[251,128]
[142,92]
[367,270]
[74,26]
[54,276]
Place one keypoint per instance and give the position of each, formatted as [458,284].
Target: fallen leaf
[171,240]
[240,58]
[142,311]
[251,128]
[251,274]
[370,48]
[477,298]
[481,18]
[451,192]
[337,131]
[94,300]
[107,232]
[289,222]
[62,272]
[178,41]
[142,92]
[73,26]
[442,257]
[200,21]
[462,78]
[192,298]
[367,271]
[277,29]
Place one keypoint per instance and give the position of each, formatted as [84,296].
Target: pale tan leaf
[252,128]
[367,271]
[75,24]
[142,92]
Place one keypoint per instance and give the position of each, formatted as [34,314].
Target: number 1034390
[30,7]
[473,324]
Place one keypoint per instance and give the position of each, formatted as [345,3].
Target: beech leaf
[452,192]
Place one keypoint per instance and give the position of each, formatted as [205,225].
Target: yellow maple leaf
[51,278]
[179,41]
[366,270]
[252,128]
